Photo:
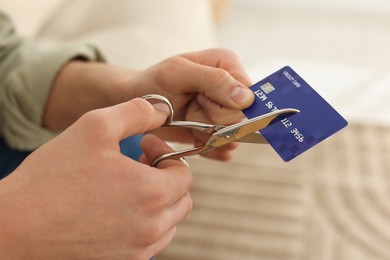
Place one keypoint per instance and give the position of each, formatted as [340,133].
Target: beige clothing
[27,72]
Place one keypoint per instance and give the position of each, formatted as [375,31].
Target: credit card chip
[267,88]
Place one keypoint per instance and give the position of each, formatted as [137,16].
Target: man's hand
[209,86]
[79,197]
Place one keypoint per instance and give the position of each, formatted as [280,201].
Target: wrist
[84,86]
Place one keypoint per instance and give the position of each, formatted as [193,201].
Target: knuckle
[220,77]
[230,54]
[168,65]
[95,119]
[153,233]
[159,199]
[224,53]
[173,61]
[155,201]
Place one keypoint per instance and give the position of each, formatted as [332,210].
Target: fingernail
[162,107]
[241,95]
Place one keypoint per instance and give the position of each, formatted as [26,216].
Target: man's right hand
[79,197]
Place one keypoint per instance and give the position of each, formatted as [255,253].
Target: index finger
[170,174]
[218,75]
[223,59]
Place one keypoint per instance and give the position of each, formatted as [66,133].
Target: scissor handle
[159,98]
[180,154]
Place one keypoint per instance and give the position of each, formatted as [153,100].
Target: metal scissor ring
[152,98]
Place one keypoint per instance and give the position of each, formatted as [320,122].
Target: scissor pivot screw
[228,137]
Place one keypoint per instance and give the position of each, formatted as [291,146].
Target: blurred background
[332,202]
[341,47]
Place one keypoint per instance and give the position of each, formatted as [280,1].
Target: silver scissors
[245,131]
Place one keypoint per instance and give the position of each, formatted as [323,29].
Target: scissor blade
[238,131]
[255,138]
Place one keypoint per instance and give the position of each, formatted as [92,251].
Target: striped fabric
[333,202]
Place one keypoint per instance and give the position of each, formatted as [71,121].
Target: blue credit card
[291,136]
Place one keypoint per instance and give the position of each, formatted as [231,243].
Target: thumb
[129,118]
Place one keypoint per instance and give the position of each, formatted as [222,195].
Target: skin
[100,203]
[199,85]
[78,197]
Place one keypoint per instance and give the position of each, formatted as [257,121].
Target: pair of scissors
[245,131]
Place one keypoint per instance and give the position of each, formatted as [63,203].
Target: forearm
[27,73]
[84,86]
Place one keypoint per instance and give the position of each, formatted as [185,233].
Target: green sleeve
[27,72]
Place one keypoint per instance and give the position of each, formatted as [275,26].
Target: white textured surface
[331,203]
